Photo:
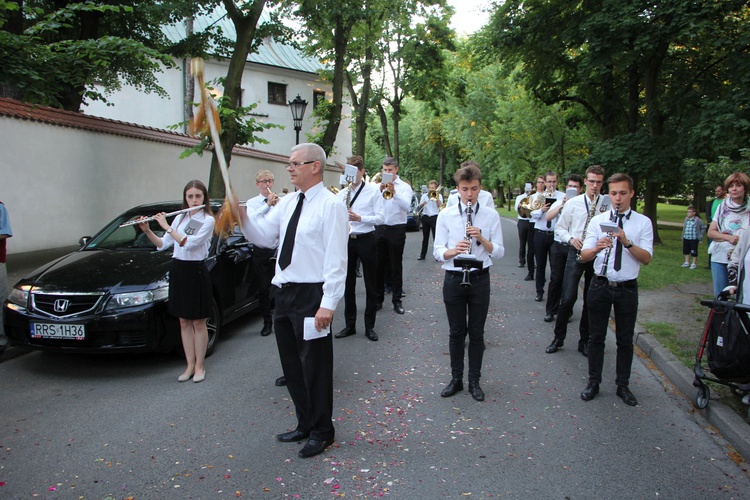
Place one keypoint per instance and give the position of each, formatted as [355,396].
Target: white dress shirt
[537,216]
[519,198]
[196,246]
[396,209]
[259,205]
[430,207]
[638,230]
[368,205]
[572,220]
[451,228]
[320,244]
[485,199]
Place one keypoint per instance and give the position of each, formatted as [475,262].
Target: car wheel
[214,327]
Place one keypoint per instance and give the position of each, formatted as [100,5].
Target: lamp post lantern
[298,106]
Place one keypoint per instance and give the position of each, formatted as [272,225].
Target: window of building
[318,97]
[277,93]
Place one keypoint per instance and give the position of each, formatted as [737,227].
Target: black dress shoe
[627,397]
[521,264]
[267,329]
[476,392]
[556,344]
[453,387]
[345,333]
[281,381]
[583,348]
[379,306]
[314,447]
[398,308]
[292,436]
[420,258]
[539,297]
[370,334]
[549,318]
[591,390]
[529,277]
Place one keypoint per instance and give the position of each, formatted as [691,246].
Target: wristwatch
[170,230]
[630,244]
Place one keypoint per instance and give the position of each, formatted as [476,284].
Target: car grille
[65,305]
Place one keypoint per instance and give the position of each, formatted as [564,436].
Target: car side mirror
[84,241]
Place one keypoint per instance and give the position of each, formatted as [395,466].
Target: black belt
[545,231]
[354,236]
[291,284]
[471,273]
[617,284]
[564,245]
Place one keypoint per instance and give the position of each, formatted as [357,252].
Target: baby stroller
[726,342]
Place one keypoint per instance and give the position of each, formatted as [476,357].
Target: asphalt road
[88,427]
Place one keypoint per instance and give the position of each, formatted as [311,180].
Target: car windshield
[114,237]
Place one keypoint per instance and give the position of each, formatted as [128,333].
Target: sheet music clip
[467,263]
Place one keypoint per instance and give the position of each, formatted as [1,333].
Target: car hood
[102,271]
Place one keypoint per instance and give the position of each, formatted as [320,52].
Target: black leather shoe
[267,329]
[420,258]
[398,308]
[476,392]
[370,334]
[591,390]
[521,264]
[453,387]
[345,333]
[528,277]
[539,297]
[292,436]
[314,447]
[583,348]
[549,318]
[281,381]
[556,344]
[379,306]
[627,397]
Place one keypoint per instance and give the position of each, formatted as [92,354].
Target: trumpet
[434,194]
[153,217]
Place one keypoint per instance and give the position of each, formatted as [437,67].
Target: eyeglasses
[293,164]
[591,181]
[266,181]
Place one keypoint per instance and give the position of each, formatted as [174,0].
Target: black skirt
[189,289]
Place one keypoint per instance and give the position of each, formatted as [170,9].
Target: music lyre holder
[467,263]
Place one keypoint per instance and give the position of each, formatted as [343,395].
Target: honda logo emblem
[61,305]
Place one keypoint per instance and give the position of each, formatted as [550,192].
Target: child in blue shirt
[692,234]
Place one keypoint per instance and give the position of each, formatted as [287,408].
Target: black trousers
[264,266]
[361,247]
[573,273]
[602,298]
[390,251]
[307,364]
[526,243]
[557,258]
[543,241]
[466,308]
[429,222]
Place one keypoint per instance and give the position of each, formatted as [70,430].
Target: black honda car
[111,294]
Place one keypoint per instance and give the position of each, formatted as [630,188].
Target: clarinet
[585,228]
[612,218]
[466,281]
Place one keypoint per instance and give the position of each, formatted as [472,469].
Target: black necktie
[618,250]
[265,200]
[285,257]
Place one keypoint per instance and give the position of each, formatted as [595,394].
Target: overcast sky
[469,16]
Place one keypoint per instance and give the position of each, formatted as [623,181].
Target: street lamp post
[298,106]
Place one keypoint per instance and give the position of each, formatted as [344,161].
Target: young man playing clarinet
[618,254]
[467,227]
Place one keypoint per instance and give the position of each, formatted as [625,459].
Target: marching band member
[525,253]
[467,306]
[485,197]
[544,231]
[570,228]
[616,284]
[391,236]
[365,212]
[430,209]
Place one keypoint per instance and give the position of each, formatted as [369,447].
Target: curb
[733,427]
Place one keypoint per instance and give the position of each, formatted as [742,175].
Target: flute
[147,219]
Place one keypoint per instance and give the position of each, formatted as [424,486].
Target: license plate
[57,331]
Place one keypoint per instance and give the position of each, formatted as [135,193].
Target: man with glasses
[312,229]
[571,228]
[544,232]
[263,258]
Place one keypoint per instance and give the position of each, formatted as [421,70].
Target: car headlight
[132,299]
[20,296]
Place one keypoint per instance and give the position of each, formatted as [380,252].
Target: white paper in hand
[311,333]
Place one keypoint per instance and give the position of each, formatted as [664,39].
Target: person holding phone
[618,247]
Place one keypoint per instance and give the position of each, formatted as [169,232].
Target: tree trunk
[341,38]
[396,105]
[188,81]
[384,125]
